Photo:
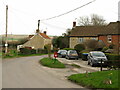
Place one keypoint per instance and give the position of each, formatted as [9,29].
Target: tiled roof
[45,36]
[112,28]
[87,30]
[42,34]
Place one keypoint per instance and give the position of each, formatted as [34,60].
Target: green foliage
[61,42]
[27,51]
[42,51]
[96,79]
[10,54]
[79,47]
[52,63]
[104,49]
[111,46]
[68,49]
[113,56]
[91,44]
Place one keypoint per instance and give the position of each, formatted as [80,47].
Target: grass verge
[52,63]
[97,79]
[19,55]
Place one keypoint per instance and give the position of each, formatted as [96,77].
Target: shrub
[104,49]
[68,49]
[111,46]
[113,56]
[27,51]
[42,51]
[91,44]
[79,47]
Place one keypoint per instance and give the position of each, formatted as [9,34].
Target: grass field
[97,79]
[52,63]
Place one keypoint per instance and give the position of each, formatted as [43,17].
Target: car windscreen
[61,51]
[73,52]
[98,54]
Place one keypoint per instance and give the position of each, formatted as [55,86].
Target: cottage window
[93,38]
[80,40]
[109,37]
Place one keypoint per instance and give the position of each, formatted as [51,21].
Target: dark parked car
[95,57]
[72,54]
[62,53]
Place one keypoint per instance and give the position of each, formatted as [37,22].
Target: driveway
[84,66]
[26,72]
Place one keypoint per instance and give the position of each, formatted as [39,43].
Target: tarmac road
[26,72]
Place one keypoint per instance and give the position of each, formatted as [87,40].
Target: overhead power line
[69,11]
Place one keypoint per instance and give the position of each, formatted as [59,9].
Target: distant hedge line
[113,56]
[28,51]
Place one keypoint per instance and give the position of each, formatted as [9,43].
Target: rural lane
[26,72]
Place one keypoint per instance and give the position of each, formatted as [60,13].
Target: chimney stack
[74,24]
[38,31]
[45,32]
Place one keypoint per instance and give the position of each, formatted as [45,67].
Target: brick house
[38,41]
[109,34]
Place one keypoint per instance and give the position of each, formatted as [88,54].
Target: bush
[113,56]
[91,44]
[79,47]
[41,51]
[111,46]
[27,51]
[68,49]
[104,49]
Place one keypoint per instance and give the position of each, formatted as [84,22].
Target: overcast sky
[23,15]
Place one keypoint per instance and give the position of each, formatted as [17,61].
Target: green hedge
[68,49]
[113,56]
[27,51]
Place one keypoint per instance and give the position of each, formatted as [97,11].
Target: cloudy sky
[23,15]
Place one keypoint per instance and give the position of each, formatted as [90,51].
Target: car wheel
[91,64]
[68,58]
[88,63]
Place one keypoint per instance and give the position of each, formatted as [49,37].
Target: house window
[109,37]
[80,40]
[93,38]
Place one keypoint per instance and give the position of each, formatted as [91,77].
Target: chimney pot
[45,32]
[37,31]
[74,24]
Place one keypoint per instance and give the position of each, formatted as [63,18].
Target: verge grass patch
[97,79]
[52,63]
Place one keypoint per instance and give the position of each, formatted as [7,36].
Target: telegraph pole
[38,24]
[6,43]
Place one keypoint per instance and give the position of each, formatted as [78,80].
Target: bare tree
[97,20]
[84,21]
[94,20]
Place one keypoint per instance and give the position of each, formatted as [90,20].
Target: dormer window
[109,38]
